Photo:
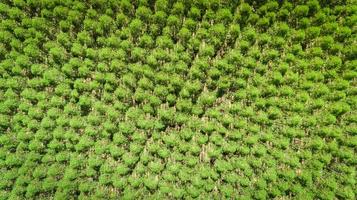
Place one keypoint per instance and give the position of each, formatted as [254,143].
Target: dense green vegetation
[166,99]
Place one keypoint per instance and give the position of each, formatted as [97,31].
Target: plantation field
[186,99]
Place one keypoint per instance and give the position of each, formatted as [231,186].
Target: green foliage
[166,99]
